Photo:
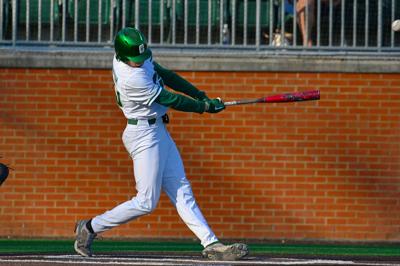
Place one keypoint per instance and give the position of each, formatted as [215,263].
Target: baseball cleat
[84,239]
[219,251]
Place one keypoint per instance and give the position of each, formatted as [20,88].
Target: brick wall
[313,170]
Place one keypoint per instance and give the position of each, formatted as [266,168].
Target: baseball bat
[280,98]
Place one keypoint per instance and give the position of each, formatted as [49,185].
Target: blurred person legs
[306,18]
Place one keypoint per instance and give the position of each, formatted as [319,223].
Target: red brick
[329,167]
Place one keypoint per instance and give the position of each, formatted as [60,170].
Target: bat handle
[230,103]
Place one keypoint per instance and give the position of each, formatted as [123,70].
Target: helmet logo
[141,48]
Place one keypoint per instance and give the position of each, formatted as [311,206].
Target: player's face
[133,64]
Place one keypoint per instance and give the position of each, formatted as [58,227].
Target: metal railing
[285,25]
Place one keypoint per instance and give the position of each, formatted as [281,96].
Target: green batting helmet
[131,45]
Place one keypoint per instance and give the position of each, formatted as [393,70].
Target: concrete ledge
[205,60]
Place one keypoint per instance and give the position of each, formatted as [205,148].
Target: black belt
[151,121]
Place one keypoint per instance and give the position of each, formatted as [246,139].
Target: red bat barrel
[293,97]
[280,98]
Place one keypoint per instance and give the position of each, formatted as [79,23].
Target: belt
[151,121]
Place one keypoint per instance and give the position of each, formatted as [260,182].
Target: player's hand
[214,106]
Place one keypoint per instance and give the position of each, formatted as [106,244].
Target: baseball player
[141,95]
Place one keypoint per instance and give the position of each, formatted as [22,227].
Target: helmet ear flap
[120,58]
[118,55]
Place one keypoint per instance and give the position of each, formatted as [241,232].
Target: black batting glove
[214,106]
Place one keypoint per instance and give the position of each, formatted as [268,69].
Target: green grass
[66,246]
[338,250]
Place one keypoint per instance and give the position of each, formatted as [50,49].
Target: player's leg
[179,190]
[148,186]
[148,169]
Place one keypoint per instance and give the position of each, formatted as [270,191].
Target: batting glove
[214,106]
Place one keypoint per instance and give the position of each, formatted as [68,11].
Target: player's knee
[148,206]
[185,194]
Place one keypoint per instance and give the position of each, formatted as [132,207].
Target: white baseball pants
[157,165]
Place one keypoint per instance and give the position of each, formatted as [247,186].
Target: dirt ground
[169,260]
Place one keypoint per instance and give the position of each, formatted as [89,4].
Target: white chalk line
[108,260]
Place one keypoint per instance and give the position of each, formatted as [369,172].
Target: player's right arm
[144,91]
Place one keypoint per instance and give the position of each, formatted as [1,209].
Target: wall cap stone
[211,59]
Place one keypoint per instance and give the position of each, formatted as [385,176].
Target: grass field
[18,246]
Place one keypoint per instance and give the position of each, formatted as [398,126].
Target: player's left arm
[177,83]
[186,104]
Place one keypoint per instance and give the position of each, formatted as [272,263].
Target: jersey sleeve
[142,91]
[180,102]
